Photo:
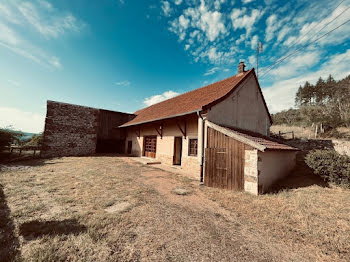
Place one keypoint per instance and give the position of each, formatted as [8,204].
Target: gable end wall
[244,109]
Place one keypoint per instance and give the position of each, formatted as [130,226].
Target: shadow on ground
[36,228]
[9,244]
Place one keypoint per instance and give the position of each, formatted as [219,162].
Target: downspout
[202,149]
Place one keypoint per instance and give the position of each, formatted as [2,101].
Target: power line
[329,22]
[295,43]
[299,49]
[314,27]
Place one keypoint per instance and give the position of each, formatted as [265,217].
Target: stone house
[218,133]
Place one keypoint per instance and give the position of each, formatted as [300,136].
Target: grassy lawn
[108,208]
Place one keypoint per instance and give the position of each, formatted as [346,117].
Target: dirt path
[217,230]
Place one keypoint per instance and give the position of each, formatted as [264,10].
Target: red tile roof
[268,142]
[189,102]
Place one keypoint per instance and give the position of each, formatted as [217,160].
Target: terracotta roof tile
[189,102]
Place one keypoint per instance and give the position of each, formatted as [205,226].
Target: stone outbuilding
[243,160]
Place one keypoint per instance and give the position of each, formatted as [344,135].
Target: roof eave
[236,136]
[158,119]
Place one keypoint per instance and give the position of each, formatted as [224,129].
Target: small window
[192,147]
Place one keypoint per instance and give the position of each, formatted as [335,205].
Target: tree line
[324,105]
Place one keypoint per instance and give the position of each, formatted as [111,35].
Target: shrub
[8,136]
[330,165]
[36,140]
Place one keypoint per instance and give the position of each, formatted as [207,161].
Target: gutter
[202,149]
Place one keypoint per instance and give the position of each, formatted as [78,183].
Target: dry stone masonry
[70,130]
[73,130]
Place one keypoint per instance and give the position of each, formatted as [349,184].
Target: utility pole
[259,50]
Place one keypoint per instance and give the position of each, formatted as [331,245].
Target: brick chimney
[241,67]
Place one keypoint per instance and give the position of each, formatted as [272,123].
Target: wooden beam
[183,131]
[138,133]
[160,131]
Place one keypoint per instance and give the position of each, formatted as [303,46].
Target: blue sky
[126,54]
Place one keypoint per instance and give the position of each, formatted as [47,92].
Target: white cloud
[211,71]
[123,83]
[247,1]
[178,2]
[7,14]
[46,20]
[166,8]
[241,20]
[209,22]
[252,60]
[184,22]
[8,36]
[213,55]
[254,42]
[312,30]
[21,120]
[271,27]
[296,65]
[283,32]
[240,39]
[21,16]
[218,3]
[159,98]
[55,62]
[14,83]
[280,95]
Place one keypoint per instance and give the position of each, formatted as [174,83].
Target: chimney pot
[241,67]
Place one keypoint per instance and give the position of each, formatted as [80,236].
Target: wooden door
[216,166]
[177,151]
[224,162]
[150,146]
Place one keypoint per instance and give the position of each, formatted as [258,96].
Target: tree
[36,140]
[8,136]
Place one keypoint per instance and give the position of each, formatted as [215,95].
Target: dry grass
[113,209]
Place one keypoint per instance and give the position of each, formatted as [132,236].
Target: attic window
[192,146]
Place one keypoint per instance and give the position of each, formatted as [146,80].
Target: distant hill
[27,136]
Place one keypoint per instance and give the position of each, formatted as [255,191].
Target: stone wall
[70,130]
[251,171]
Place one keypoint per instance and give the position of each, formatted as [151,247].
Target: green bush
[8,136]
[330,165]
[36,140]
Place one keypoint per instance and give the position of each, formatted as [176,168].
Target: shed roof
[192,101]
[253,139]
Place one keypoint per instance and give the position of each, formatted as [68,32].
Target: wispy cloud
[220,33]
[22,22]
[123,83]
[211,71]
[159,98]
[14,83]
[241,19]
[280,95]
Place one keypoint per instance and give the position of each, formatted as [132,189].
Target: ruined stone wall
[70,130]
